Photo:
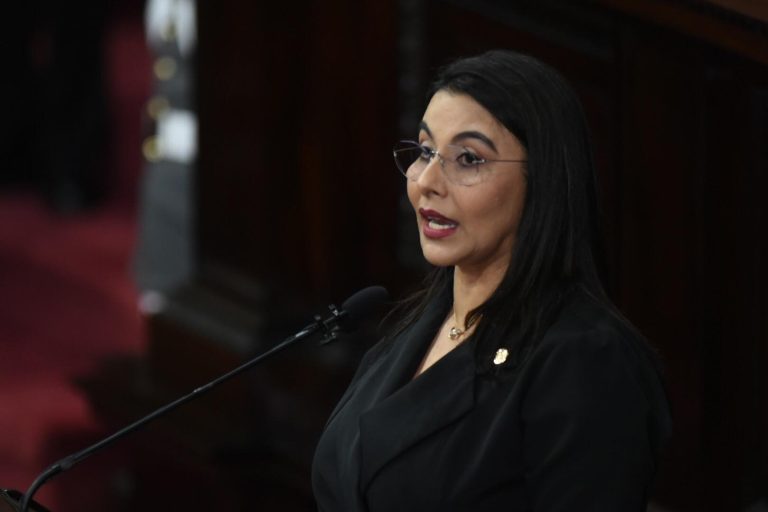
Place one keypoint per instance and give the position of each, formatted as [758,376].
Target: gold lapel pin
[501,356]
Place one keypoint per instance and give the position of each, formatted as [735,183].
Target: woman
[512,383]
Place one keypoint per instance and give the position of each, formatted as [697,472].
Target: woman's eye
[469,159]
[425,153]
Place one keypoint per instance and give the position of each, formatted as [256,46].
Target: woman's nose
[432,178]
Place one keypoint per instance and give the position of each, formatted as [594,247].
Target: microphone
[353,310]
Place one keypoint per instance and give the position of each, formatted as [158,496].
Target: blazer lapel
[418,407]
[396,365]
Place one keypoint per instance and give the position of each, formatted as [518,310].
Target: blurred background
[184,184]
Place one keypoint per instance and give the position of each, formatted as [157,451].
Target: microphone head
[361,304]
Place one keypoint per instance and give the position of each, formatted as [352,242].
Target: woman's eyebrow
[471,134]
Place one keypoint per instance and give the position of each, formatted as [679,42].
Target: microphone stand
[9,502]
[329,327]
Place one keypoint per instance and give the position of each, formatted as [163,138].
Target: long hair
[558,239]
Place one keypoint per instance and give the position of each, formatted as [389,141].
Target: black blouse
[578,427]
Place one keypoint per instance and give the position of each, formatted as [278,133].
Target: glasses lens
[462,166]
[408,157]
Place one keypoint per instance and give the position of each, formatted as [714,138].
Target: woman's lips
[437,225]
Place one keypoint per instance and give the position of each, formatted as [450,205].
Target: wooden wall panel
[297,121]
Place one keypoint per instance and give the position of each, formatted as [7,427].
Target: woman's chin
[439,258]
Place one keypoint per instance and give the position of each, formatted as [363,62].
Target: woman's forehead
[454,117]
[458,111]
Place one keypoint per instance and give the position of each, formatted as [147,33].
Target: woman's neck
[471,289]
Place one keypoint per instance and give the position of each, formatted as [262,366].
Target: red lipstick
[437,225]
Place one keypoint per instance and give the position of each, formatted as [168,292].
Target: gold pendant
[455,333]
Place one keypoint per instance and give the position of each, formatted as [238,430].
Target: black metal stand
[10,501]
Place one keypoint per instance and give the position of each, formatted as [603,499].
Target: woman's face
[471,227]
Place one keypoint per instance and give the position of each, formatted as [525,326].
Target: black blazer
[577,427]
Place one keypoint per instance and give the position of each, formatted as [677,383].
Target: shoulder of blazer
[591,335]
[586,320]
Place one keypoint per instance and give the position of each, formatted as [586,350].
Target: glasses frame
[406,145]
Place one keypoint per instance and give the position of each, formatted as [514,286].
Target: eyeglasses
[461,166]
